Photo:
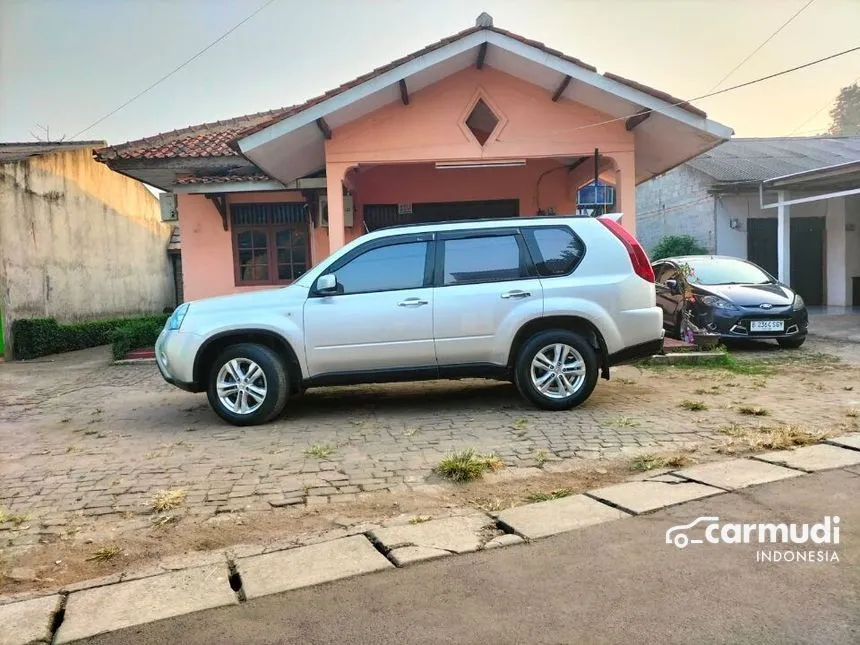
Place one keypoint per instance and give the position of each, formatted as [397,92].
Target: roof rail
[478,220]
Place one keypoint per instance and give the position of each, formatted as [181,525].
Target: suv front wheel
[247,385]
[556,369]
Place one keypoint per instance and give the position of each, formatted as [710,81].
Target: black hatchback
[730,297]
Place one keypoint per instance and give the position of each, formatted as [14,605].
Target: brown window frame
[271,230]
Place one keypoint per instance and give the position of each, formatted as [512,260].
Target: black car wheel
[247,385]
[556,370]
[791,343]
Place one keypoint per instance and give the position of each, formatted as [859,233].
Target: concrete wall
[852,246]
[676,203]
[79,241]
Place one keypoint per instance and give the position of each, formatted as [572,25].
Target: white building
[791,205]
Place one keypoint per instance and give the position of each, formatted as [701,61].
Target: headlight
[719,303]
[798,302]
[176,318]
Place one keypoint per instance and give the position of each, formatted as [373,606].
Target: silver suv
[548,303]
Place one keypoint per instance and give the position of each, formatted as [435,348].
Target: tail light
[638,257]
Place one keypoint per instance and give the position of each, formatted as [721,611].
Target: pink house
[484,123]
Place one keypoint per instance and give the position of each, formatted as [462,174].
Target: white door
[381,317]
[484,293]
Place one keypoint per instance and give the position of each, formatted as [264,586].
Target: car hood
[249,300]
[749,295]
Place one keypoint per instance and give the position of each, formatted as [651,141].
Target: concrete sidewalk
[617,582]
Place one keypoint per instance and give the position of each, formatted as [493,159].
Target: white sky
[65,63]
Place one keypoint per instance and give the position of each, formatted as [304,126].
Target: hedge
[134,335]
[675,245]
[37,337]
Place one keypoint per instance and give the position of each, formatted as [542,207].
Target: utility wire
[708,95]
[817,112]
[757,49]
[174,70]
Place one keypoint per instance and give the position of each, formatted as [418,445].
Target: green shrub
[134,335]
[674,245]
[37,337]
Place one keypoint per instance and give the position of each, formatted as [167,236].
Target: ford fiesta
[731,297]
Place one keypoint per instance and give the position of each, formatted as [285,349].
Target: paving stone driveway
[80,436]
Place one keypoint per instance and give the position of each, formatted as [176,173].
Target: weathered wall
[676,203]
[78,241]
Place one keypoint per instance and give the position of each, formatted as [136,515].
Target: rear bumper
[636,352]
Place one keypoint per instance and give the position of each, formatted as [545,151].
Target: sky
[66,63]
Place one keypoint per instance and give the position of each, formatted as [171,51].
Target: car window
[483,259]
[385,268]
[556,250]
[725,271]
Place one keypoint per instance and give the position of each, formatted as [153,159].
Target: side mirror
[674,287]
[327,284]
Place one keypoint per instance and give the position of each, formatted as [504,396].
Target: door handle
[412,302]
[516,294]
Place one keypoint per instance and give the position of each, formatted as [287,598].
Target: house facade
[790,204]
[77,241]
[484,123]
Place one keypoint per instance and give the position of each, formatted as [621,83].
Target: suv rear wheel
[556,369]
[247,385]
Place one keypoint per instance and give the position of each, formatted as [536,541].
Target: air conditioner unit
[169,209]
[322,211]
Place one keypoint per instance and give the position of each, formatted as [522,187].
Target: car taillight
[638,257]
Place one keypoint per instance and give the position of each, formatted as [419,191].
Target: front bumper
[737,324]
[174,354]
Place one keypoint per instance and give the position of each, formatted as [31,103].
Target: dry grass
[166,500]
[752,439]
[693,406]
[105,553]
[15,518]
[419,519]
[467,465]
[852,413]
[753,410]
[653,461]
[545,497]
[319,450]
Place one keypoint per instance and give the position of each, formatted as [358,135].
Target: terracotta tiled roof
[218,139]
[220,179]
[663,96]
[204,140]
[405,59]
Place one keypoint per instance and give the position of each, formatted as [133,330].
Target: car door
[381,317]
[669,302]
[485,286]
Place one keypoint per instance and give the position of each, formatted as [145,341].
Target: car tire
[791,343]
[263,392]
[531,372]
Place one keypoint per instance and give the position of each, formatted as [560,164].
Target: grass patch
[521,424]
[15,518]
[541,457]
[105,553]
[166,500]
[419,519]
[851,412]
[625,381]
[320,450]
[467,465]
[693,406]
[753,411]
[751,439]
[651,461]
[545,497]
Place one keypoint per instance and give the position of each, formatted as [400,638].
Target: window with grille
[270,242]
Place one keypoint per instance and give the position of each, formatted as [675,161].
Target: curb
[134,361]
[78,611]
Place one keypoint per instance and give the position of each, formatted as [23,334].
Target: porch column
[625,189]
[783,239]
[835,252]
[335,173]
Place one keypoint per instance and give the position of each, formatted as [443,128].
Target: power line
[176,69]
[819,111]
[708,95]
[757,49]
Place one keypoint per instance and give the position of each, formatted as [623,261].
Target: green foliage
[845,114]
[37,337]
[135,334]
[675,245]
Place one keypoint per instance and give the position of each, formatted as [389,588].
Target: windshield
[725,271]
